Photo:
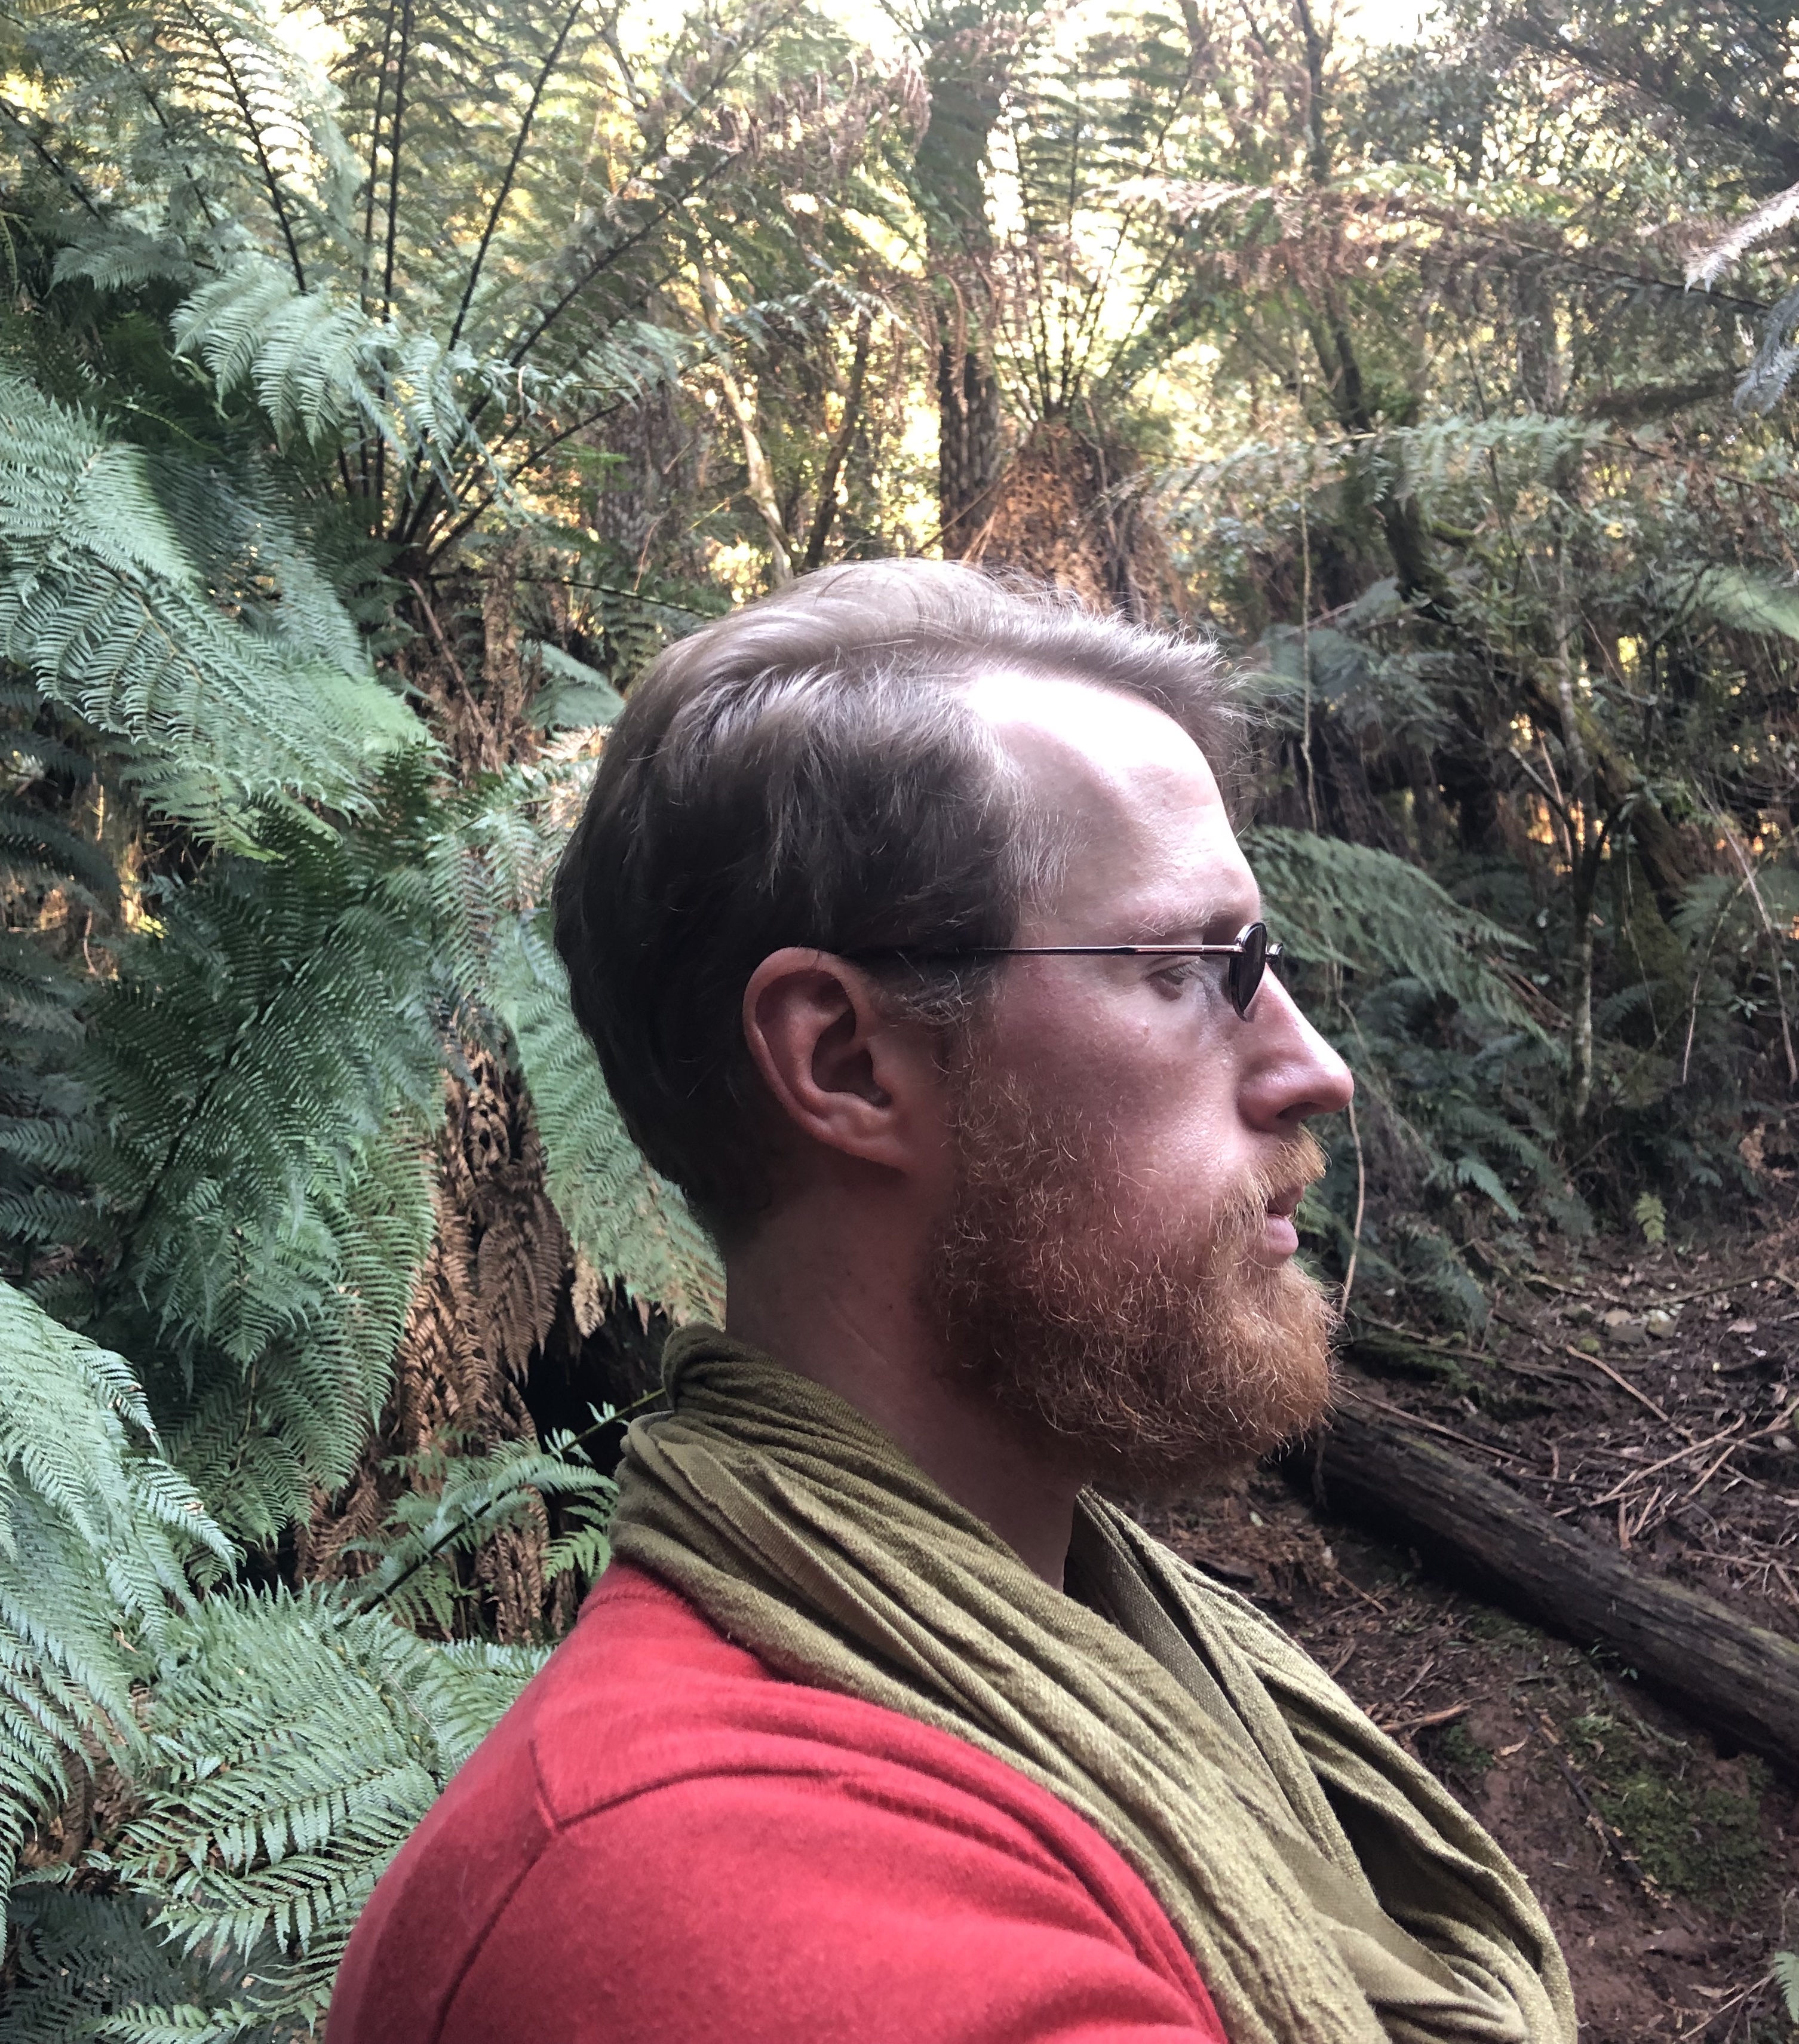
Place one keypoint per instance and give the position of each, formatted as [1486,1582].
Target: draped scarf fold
[1329,1889]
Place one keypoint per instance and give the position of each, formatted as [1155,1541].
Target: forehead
[1149,836]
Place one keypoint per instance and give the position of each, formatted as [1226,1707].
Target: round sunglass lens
[1247,967]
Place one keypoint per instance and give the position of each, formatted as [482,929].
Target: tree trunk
[1732,1678]
[969,451]
[498,1275]
[1585,842]
[967,53]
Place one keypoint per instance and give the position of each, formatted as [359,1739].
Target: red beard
[1159,1349]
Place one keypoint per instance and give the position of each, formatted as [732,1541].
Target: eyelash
[1183,973]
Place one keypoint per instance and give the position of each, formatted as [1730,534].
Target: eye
[1174,977]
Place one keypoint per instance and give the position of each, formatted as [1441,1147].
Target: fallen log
[1735,1679]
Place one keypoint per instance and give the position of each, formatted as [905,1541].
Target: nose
[1292,1073]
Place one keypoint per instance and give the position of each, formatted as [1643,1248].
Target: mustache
[1276,1185]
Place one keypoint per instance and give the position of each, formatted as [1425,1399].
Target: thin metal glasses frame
[1250,953]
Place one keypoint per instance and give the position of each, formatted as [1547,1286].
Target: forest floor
[1648,1393]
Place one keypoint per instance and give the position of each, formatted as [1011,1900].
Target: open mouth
[1283,1206]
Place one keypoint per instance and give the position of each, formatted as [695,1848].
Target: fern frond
[297,1742]
[83,1956]
[256,1088]
[1786,1978]
[115,254]
[459,1503]
[492,871]
[96,1534]
[101,605]
[1356,907]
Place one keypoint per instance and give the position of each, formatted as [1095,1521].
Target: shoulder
[664,1840]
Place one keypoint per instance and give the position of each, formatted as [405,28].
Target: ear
[842,1070]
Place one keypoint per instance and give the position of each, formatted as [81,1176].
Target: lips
[1280,1238]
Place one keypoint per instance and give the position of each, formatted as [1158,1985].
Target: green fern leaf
[492,872]
[97,1534]
[103,605]
[1786,1978]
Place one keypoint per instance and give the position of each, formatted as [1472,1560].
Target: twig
[1774,937]
[1608,1837]
[1723,1284]
[1622,1490]
[1550,1372]
[1643,1516]
[1442,1717]
[1688,1496]
[1431,1426]
[1624,1384]
[1361,1194]
[1723,2008]
[1418,1680]
[1423,1341]
[1367,1596]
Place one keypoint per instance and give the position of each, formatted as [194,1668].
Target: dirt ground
[1648,1393]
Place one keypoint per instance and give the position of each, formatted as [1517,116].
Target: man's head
[1100,1157]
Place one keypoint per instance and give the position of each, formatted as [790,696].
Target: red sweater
[662,1842]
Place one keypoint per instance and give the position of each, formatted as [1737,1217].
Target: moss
[1706,1843]
[1383,1353]
[1487,1623]
[1457,1751]
[1703,1842]
[1505,1405]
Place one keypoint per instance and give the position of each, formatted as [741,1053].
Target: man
[908,920]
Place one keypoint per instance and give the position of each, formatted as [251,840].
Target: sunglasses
[1250,954]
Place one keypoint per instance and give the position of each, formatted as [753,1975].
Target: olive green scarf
[1328,1889]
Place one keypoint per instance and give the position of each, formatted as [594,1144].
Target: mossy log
[1733,1679]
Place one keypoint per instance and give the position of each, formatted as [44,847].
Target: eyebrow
[1221,927]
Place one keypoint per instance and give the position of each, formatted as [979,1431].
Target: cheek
[1180,1142]
[1170,1111]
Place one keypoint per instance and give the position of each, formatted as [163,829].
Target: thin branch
[612,255]
[407,534]
[528,461]
[253,127]
[827,510]
[1773,935]
[696,103]
[1361,1201]
[52,162]
[505,192]
[394,161]
[375,149]
[1698,978]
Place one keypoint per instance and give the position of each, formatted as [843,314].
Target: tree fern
[1355,907]
[102,606]
[455,1502]
[279,1747]
[80,1955]
[97,1537]
[493,871]
[252,1093]
[293,1743]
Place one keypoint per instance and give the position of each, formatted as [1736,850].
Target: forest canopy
[384,382]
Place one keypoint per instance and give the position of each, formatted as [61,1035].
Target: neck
[838,1304]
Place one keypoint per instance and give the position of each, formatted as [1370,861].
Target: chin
[1171,1473]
